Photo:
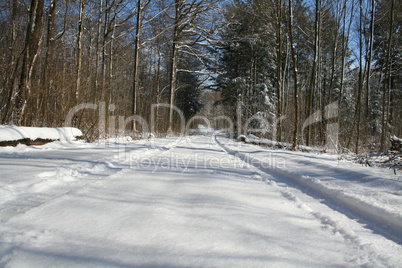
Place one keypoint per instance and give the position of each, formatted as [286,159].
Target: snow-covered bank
[177,203]
[372,194]
[13,135]
[391,159]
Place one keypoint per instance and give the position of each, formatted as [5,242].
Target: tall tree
[247,64]
[191,30]
[138,29]
[346,29]
[44,98]
[295,76]
[179,5]
[80,36]
[279,69]
[314,70]
[387,79]
[29,54]
[13,65]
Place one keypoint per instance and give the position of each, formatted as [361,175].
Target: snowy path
[177,203]
[372,195]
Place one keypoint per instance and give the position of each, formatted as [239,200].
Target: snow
[205,130]
[13,133]
[375,195]
[195,201]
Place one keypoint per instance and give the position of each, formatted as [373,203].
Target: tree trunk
[175,56]
[103,53]
[368,71]
[44,105]
[112,52]
[279,71]
[32,40]
[79,50]
[9,81]
[387,82]
[137,60]
[313,79]
[295,81]
[98,90]
[360,82]
[345,41]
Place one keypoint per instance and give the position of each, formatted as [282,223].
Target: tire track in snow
[68,174]
[365,254]
[378,220]
[71,175]
[48,186]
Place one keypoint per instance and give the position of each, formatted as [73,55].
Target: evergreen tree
[247,64]
[388,62]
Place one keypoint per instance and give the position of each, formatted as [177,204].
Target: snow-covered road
[198,201]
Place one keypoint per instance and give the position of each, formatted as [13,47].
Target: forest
[292,71]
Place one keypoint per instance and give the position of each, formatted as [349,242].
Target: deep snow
[195,201]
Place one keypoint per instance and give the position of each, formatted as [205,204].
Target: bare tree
[187,34]
[279,69]
[13,65]
[314,70]
[29,55]
[137,46]
[387,80]
[295,77]
[80,36]
[345,44]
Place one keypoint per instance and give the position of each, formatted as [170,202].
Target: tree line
[57,54]
[314,68]
[299,67]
